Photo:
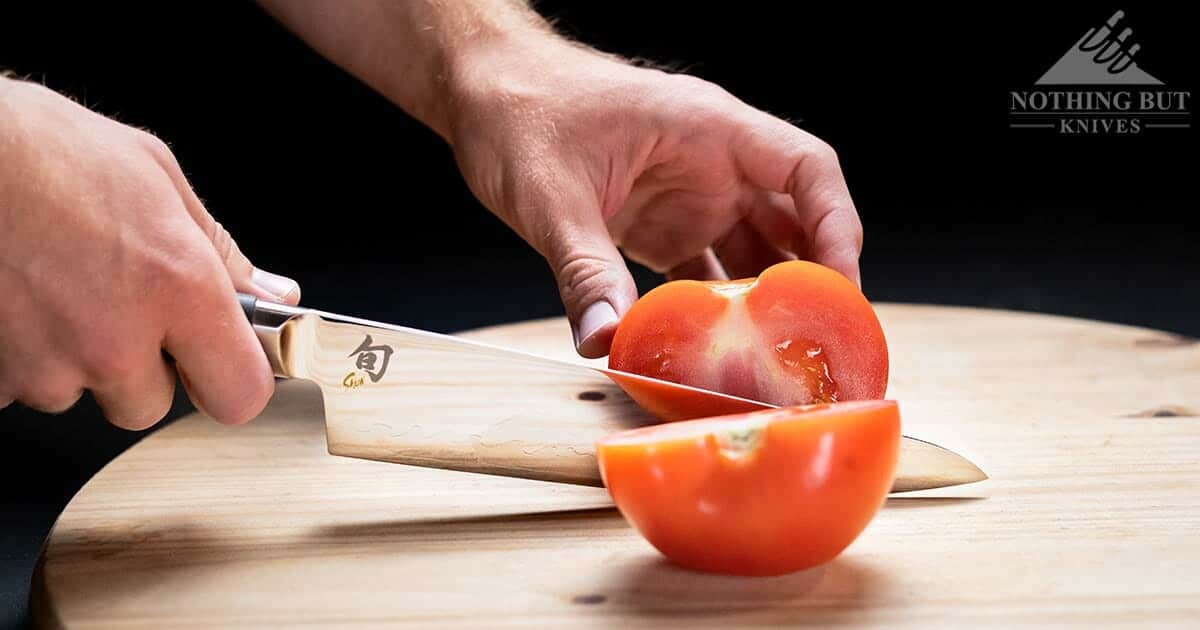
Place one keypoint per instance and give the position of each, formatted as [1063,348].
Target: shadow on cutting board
[840,591]
[142,557]
[601,517]
[903,502]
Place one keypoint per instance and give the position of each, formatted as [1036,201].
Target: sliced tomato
[799,333]
[761,493]
[670,403]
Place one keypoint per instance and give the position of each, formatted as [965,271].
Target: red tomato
[800,333]
[761,493]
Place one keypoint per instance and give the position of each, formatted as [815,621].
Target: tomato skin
[796,499]
[799,333]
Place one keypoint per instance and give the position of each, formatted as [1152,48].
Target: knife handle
[270,322]
[249,305]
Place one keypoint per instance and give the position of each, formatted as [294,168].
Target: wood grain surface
[1090,432]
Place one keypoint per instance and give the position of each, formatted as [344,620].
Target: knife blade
[398,394]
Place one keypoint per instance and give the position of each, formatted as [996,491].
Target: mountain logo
[1102,56]
[1098,88]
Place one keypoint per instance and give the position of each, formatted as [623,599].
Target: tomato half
[799,333]
[761,493]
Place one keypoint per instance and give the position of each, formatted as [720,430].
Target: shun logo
[1098,88]
[371,359]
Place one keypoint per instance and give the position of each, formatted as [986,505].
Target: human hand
[108,258]
[582,154]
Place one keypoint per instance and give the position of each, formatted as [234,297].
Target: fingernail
[594,320]
[277,286]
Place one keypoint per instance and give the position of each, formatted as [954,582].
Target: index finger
[777,156]
[218,356]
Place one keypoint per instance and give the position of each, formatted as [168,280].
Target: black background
[321,179]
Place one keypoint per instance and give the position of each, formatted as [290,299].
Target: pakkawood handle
[270,322]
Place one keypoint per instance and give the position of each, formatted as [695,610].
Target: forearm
[409,51]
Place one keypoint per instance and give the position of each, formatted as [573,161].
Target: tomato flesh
[799,333]
[761,493]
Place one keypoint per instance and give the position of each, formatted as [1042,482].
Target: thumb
[246,277]
[593,281]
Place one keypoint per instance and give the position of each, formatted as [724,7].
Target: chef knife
[415,397]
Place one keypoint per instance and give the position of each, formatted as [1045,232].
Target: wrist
[515,70]
[464,49]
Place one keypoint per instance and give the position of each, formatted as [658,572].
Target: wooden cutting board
[1090,433]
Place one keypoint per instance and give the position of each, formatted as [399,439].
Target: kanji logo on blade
[372,359]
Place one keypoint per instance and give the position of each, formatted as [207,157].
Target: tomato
[667,402]
[761,493]
[799,333]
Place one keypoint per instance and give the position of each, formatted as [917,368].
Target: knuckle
[583,279]
[798,144]
[702,89]
[822,151]
[107,361]
[140,417]
[51,395]
[228,396]
[845,228]
[696,101]
[856,227]
[244,405]
[704,115]
[223,243]
[157,148]
[190,275]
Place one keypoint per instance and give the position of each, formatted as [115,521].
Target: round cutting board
[1090,433]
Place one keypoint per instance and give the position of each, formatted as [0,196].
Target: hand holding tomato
[583,154]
